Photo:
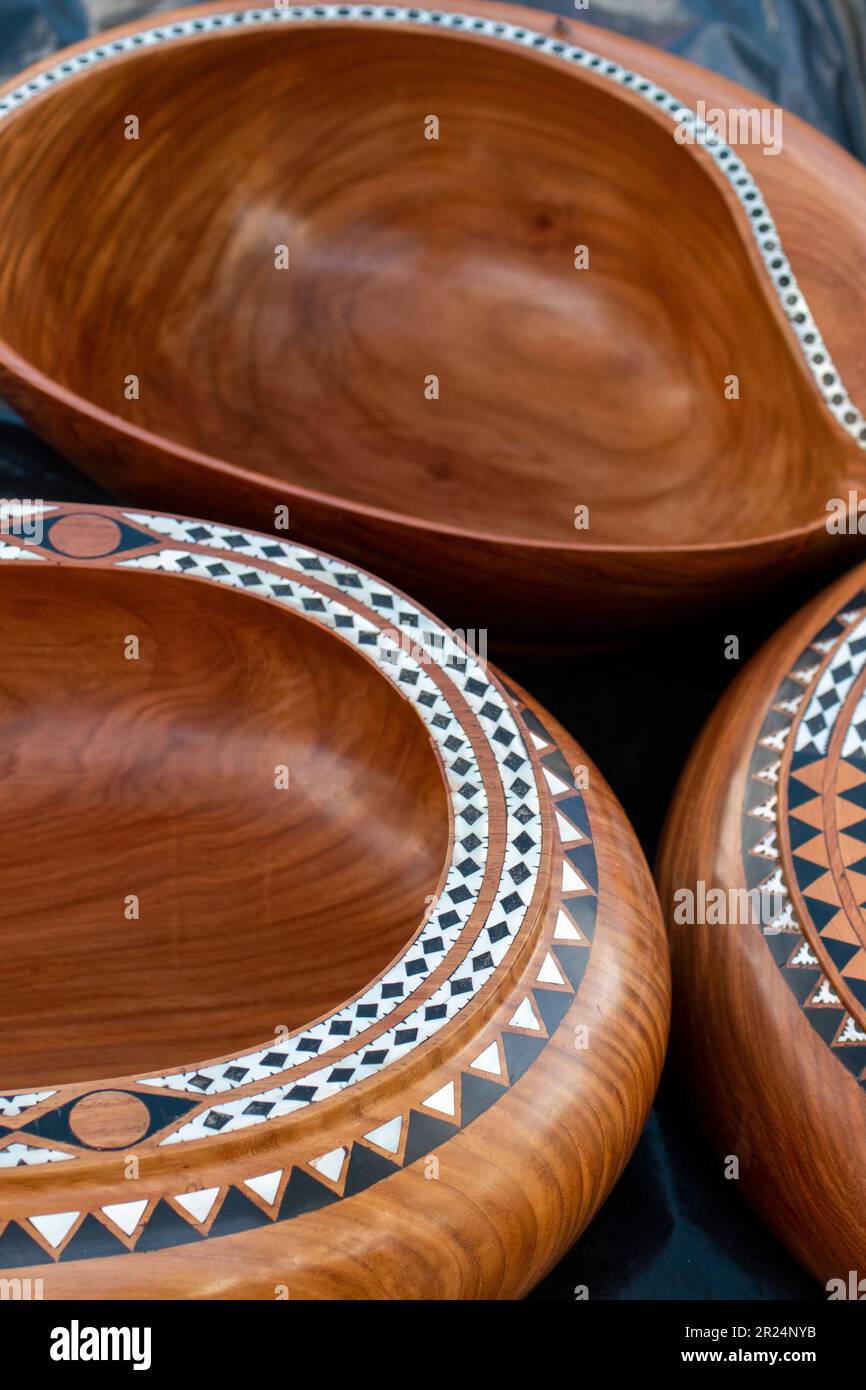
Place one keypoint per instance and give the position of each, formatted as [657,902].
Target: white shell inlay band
[233,564]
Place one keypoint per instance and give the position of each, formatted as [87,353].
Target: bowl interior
[410,258]
[163,899]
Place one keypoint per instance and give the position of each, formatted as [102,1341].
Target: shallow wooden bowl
[331,967]
[771,993]
[281,292]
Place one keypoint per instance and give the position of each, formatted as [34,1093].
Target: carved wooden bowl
[331,968]
[771,993]
[303,300]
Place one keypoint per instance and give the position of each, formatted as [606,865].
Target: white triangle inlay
[568,833]
[56,1227]
[571,879]
[198,1204]
[537,742]
[387,1136]
[565,929]
[330,1165]
[524,1017]
[488,1061]
[267,1186]
[549,973]
[443,1099]
[556,784]
[126,1215]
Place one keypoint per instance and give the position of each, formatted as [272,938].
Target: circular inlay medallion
[109,1119]
[87,538]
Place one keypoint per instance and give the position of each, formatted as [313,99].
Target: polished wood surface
[162,775]
[453,258]
[770,1018]
[456,1159]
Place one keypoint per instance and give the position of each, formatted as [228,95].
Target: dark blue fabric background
[673,1228]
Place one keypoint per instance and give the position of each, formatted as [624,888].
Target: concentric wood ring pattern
[772,1014]
[451,258]
[429,965]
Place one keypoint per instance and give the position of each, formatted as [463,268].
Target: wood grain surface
[770,1016]
[454,258]
[472,1147]
[158,774]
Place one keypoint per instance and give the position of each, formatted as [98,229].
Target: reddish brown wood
[158,774]
[454,257]
[770,1017]
[155,1095]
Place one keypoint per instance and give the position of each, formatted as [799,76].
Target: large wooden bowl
[771,994]
[330,966]
[237,270]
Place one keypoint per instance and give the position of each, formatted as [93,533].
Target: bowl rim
[479,746]
[193,24]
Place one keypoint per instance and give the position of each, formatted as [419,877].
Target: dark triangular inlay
[574,810]
[574,960]
[582,912]
[858,831]
[556,764]
[825,1021]
[820,913]
[554,1004]
[520,1052]
[583,859]
[807,872]
[840,952]
[799,833]
[238,1213]
[426,1132]
[365,1169]
[18,1248]
[93,1241]
[856,794]
[477,1094]
[304,1193]
[799,793]
[166,1228]
[802,983]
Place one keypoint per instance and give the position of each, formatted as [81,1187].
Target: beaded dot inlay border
[729,162]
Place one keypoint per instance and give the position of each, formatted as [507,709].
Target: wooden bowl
[771,994]
[331,967]
[303,301]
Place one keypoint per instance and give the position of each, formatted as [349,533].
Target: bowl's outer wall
[769,1090]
